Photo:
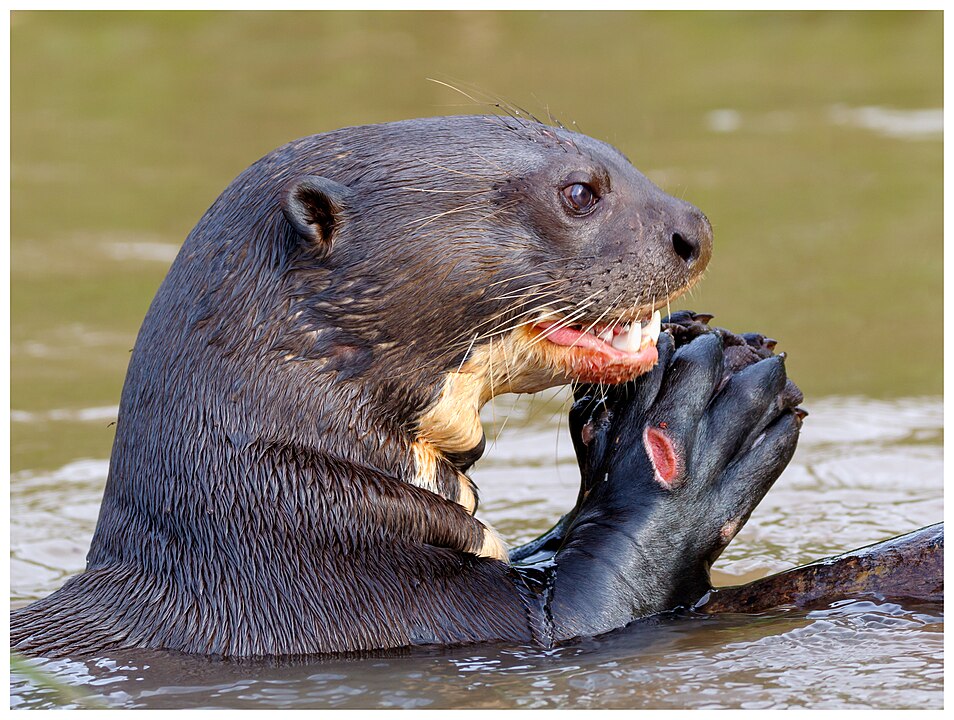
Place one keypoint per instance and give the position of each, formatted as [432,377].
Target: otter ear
[315,207]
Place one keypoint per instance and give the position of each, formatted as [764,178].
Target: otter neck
[449,433]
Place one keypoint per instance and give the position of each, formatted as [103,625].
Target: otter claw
[684,453]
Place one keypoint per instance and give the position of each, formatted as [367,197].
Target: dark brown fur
[280,483]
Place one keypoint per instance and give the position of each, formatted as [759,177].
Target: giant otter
[289,470]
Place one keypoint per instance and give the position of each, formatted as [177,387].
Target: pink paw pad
[662,454]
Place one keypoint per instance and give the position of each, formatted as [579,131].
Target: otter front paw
[673,464]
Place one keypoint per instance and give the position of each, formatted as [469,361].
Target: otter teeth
[629,340]
[635,337]
[631,337]
[652,329]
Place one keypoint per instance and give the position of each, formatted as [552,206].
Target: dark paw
[740,351]
[693,445]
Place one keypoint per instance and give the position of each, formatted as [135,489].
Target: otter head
[448,260]
[350,301]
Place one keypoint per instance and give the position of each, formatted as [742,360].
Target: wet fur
[286,478]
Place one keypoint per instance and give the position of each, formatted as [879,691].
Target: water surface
[864,470]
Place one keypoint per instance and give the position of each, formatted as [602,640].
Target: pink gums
[592,360]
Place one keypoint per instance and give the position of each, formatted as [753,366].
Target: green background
[126,126]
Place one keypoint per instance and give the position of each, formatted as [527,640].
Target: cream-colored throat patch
[512,363]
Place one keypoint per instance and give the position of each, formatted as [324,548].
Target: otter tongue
[630,339]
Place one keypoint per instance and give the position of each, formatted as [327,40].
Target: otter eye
[579,197]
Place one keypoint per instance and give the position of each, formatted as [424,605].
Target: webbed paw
[686,451]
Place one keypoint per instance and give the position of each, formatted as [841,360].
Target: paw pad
[662,454]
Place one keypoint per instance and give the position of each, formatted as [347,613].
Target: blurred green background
[813,142]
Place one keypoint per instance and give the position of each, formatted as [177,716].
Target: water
[857,653]
[812,141]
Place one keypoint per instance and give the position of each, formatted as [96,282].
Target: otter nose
[692,238]
[686,248]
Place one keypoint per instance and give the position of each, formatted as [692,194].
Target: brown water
[812,141]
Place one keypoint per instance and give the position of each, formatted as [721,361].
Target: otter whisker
[506,357]
[509,110]
[455,89]
[554,120]
[467,352]
[472,192]
[587,300]
[595,398]
[543,307]
[580,310]
[568,320]
[493,392]
[529,115]
[603,314]
[459,341]
[538,270]
[490,178]
[499,209]
[504,328]
[456,342]
[509,311]
[524,293]
[500,329]
[528,298]
[491,162]
[500,430]
[518,277]
[486,103]
[428,219]
[546,296]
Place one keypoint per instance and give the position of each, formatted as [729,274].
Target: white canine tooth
[628,340]
[619,342]
[653,328]
[633,338]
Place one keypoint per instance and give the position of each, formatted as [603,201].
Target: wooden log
[905,567]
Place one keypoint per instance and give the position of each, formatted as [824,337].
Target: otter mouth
[602,352]
[542,353]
